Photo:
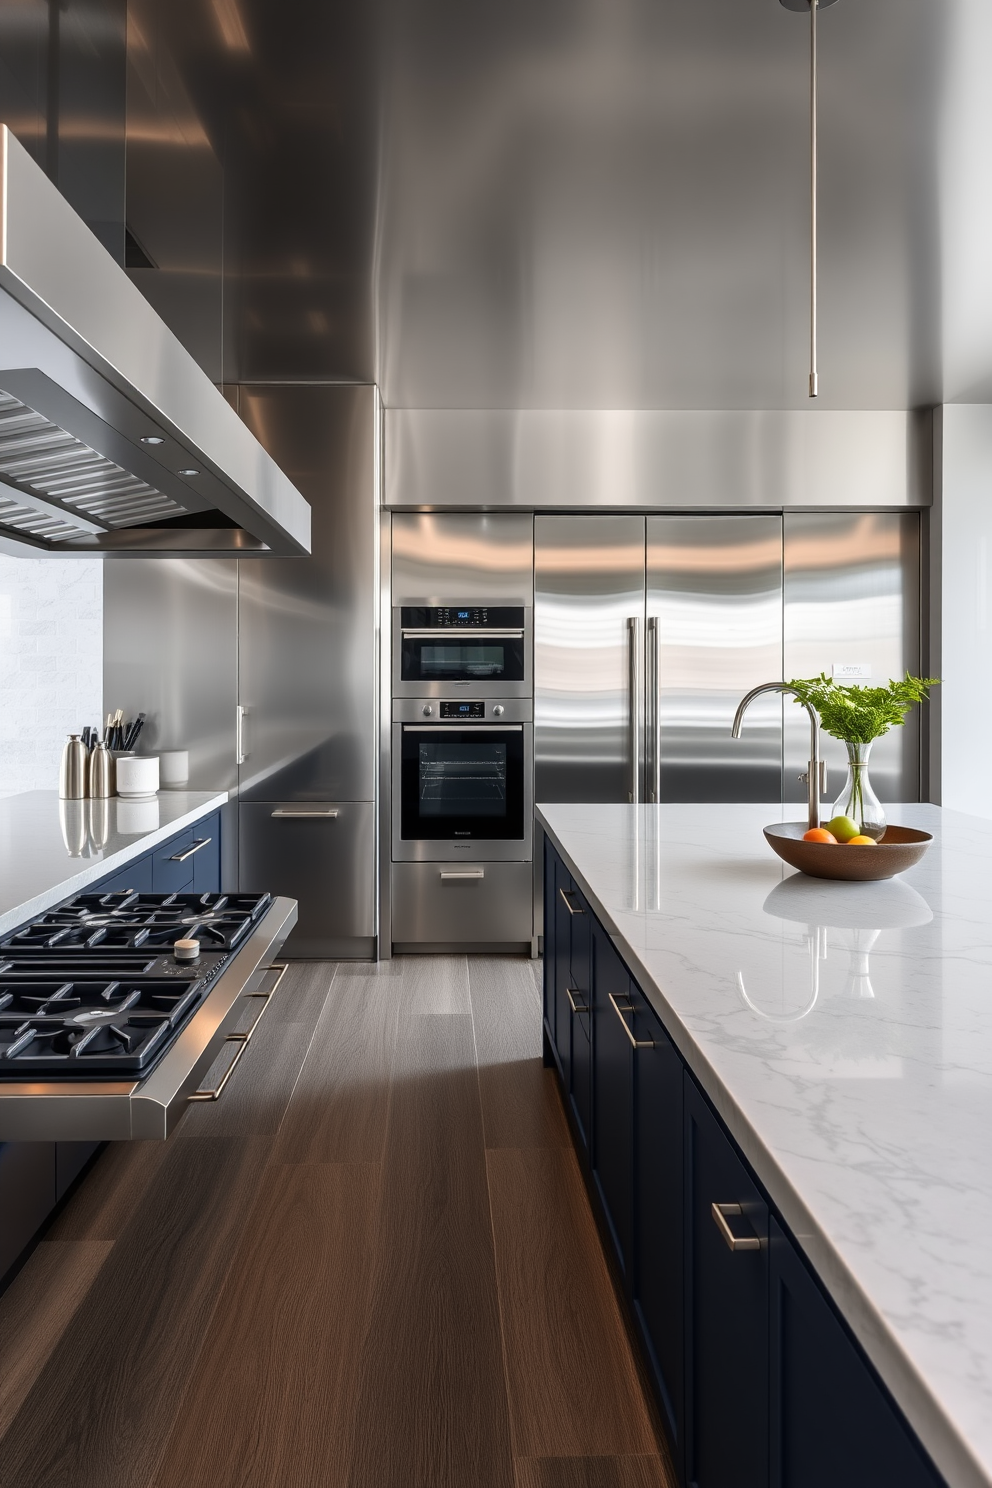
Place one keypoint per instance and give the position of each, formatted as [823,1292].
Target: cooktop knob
[427,710]
[498,711]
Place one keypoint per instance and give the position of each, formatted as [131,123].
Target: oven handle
[440,633]
[475,728]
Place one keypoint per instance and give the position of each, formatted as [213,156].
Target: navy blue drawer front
[137,876]
[189,862]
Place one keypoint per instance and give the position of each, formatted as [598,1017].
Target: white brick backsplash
[51,664]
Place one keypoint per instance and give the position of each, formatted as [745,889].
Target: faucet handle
[804,777]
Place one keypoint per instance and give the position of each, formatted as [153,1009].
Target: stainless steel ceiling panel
[677,459]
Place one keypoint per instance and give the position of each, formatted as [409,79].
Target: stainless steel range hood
[112,439]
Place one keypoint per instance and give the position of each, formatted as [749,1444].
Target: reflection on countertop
[50,848]
[844,1034]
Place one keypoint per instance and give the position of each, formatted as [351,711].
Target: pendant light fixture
[812,6]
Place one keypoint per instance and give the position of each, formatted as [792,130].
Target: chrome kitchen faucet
[812,776]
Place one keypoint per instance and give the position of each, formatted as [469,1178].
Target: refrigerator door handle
[654,703]
[633,699]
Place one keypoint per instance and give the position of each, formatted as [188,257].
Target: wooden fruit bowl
[898,849]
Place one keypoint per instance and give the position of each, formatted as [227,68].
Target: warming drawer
[471,903]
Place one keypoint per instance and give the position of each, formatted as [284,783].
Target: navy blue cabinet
[657,1276]
[759,1381]
[187,863]
[726,1306]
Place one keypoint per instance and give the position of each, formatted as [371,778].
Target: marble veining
[50,849]
[844,1032]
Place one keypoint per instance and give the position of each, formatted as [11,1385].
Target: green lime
[843,828]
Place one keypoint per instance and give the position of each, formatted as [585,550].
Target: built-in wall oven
[481,649]
[463,770]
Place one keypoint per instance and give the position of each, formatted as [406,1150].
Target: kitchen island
[51,849]
[842,1035]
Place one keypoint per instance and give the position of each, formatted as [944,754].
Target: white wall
[962,605]
[51,663]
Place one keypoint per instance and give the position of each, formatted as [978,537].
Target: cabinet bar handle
[239,745]
[635,1043]
[181,857]
[567,903]
[633,705]
[734,1242]
[462,875]
[576,1007]
[302,815]
[243,1039]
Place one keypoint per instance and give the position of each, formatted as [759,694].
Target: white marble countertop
[844,1033]
[50,849]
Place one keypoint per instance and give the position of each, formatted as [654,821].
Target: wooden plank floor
[371,1264]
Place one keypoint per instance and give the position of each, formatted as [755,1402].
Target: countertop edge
[94,869]
[938,1434]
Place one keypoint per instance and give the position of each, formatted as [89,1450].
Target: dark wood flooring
[371,1264]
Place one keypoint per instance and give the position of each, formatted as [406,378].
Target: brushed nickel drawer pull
[575,1006]
[181,857]
[565,893]
[635,1043]
[290,814]
[734,1242]
[463,875]
[243,1039]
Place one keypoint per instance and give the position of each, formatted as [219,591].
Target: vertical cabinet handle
[566,898]
[577,1007]
[635,1043]
[242,755]
[633,701]
[654,704]
[720,1214]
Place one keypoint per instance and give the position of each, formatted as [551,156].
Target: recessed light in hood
[85,366]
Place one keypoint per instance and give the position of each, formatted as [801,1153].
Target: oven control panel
[461,617]
[463,708]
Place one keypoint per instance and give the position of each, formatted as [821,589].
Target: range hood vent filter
[41,459]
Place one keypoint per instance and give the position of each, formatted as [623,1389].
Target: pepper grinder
[72,773]
[100,771]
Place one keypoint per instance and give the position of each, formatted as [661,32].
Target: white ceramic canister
[137,776]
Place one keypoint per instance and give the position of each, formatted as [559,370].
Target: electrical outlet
[848,671]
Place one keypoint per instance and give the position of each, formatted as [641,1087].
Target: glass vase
[857,800]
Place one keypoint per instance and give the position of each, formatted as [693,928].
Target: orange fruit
[861,841]
[820,834]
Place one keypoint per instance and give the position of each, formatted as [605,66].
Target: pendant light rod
[813,375]
[813,6]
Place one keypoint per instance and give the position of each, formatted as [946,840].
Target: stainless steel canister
[72,773]
[101,771]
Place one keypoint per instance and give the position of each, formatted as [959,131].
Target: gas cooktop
[93,988]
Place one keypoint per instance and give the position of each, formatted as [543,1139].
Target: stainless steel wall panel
[495,909]
[714,587]
[474,558]
[326,861]
[588,584]
[655,459]
[852,594]
[170,651]
[307,654]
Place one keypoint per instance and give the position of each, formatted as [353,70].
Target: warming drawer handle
[463,875]
[181,857]
[734,1242]
[566,900]
[635,1043]
[577,1007]
[292,815]
[243,1039]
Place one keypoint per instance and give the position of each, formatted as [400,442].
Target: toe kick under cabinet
[759,1382]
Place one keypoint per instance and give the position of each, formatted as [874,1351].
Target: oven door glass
[462,782]
[462,658]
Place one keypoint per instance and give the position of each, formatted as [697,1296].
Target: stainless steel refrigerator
[649,630]
[307,674]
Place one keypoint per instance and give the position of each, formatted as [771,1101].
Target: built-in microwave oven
[485,649]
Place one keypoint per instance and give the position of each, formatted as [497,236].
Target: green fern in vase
[857,715]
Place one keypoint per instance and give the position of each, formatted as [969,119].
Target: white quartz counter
[50,849]
[844,1033]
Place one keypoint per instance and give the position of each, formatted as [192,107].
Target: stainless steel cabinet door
[852,594]
[320,853]
[714,630]
[588,645]
[307,626]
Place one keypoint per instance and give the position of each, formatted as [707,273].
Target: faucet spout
[813,781]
